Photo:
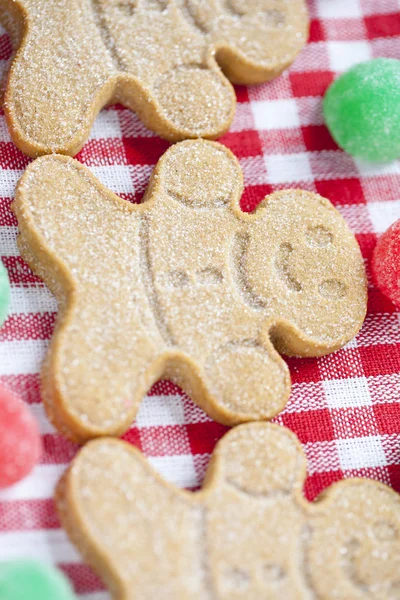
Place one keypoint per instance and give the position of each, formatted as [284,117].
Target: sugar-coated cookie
[158,57]
[248,534]
[184,286]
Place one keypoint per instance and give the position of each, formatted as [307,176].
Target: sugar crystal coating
[30,580]
[171,61]
[248,534]
[20,442]
[184,286]
[386,263]
[362,110]
[4,293]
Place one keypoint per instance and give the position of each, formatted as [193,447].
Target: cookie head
[305,266]
[200,176]
[261,461]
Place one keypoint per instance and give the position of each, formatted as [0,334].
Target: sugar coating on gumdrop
[20,442]
[27,579]
[362,110]
[4,293]
[386,263]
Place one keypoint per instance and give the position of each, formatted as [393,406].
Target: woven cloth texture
[345,407]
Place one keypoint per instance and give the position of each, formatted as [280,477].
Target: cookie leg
[246,381]
[59,79]
[94,380]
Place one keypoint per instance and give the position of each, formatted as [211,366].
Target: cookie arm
[353,550]
[59,79]
[253,41]
[83,241]
[143,536]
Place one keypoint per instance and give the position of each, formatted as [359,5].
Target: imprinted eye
[385,531]
[318,237]
[236,578]
[272,572]
[333,289]
[127,7]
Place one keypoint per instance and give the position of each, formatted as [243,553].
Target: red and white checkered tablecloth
[345,407]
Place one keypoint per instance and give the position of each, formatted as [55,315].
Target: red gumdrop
[386,263]
[20,442]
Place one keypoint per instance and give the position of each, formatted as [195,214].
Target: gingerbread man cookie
[184,286]
[158,57]
[247,534]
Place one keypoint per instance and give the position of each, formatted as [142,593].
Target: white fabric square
[116,178]
[22,357]
[275,114]
[343,55]
[39,484]
[282,168]
[338,9]
[383,214]
[347,393]
[45,427]
[359,453]
[8,241]
[106,125]
[161,411]
[46,545]
[8,181]
[178,469]
[369,169]
[4,133]
[36,299]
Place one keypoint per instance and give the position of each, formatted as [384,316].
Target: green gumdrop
[30,580]
[362,110]
[4,295]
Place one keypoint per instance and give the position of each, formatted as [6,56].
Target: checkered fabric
[344,407]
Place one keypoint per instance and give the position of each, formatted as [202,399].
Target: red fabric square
[303,370]
[378,303]
[310,426]
[318,482]
[317,137]
[253,195]
[145,151]
[314,83]
[387,416]
[317,33]
[380,360]
[383,25]
[242,143]
[204,436]
[341,191]
[242,93]
[394,474]
[133,437]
